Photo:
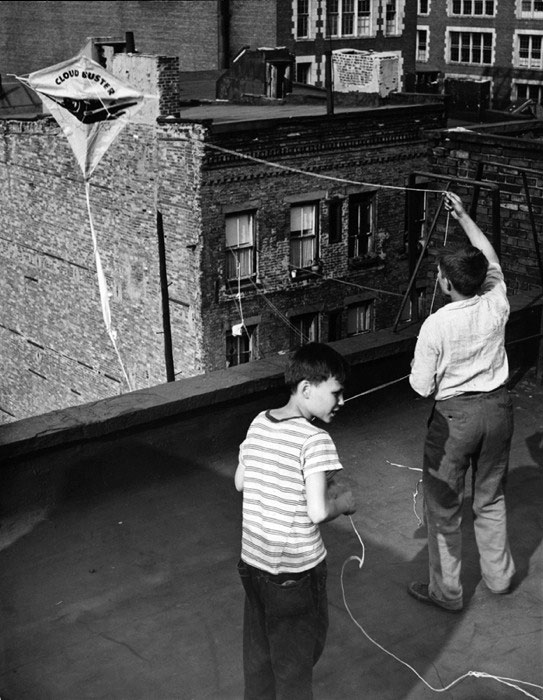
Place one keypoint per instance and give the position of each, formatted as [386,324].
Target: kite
[91,106]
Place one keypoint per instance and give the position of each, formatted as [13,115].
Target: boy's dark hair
[315,362]
[465,268]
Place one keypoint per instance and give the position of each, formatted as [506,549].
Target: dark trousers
[284,629]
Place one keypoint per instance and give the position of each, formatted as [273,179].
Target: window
[473,8]
[391,18]
[523,91]
[335,319]
[302,19]
[528,50]
[421,302]
[303,72]
[241,348]
[360,241]
[349,18]
[422,44]
[303,235]
[470,47]
[530,9]
[360,318]
[364,23]
[335,211]
[407,312]
[424,7]
[240,247]
[304,329]
[418,207]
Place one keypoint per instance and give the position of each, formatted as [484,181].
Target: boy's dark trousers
[284,629]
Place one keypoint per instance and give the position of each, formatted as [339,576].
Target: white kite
[92,107]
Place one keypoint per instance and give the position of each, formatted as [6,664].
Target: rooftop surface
[125,585]
[222,111]
[17,101]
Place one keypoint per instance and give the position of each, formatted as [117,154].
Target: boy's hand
[453,204]
[347,503]
[334,489]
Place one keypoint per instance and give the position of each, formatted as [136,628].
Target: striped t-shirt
[277,456]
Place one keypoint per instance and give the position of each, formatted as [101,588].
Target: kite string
[289,168]
[102,285]
[510,682]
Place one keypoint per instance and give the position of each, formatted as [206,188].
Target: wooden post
[166,324]
[328,82]
[539,361]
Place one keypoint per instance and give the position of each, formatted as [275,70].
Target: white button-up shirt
[460,347]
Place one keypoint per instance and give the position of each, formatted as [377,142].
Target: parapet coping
[183,397]
[171,400]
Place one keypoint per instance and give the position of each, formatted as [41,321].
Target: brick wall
[381,146]
[37,34]
[34,35]
[53,342]
[504,156]
[54,346]
[253,23]
[155,76]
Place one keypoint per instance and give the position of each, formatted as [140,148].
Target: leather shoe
[420,592]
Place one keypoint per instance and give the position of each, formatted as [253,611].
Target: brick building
[313,27]
[494,44]
[203,34]
[206,35]
[196,241]
[228,232]
[299,256]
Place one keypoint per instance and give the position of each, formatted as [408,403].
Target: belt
[478,393]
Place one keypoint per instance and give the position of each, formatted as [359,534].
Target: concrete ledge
[375,358]
[164,401]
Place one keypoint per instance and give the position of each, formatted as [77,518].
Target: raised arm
[477,238]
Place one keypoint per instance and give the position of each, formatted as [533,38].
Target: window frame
[407,311]
[530,63]
[420,11]
[335,325]
[314,236]
[364,21]
[309,330]
[367,307]
[536,84]
[531,13]
[249,335]
[471,32]
[354,240]
[464,12]
[426,29]
[252,274]
[309,62]
[335,220]
[302,18]
[392,27]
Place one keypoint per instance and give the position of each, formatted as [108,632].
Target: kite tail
[102,285]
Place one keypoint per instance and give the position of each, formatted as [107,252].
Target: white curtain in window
[239,230]
[302,220]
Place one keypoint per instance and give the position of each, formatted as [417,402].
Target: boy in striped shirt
[285,470]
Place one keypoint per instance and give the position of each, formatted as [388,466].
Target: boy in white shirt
[460,358]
